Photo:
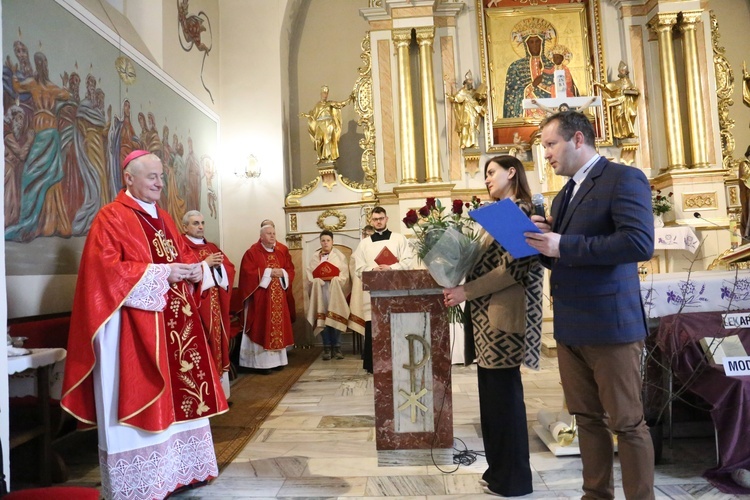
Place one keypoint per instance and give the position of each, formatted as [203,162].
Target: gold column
[696,115]
[425,38]
[662,26]
[402,39]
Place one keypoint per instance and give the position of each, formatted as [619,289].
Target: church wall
[324,50]
[252,114]
[185,66]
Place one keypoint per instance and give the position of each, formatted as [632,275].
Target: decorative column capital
[425,35]
[401,36]
[662,22]
[688,20]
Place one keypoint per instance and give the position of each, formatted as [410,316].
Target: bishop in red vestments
[139,366]
[266,276]
[216,290]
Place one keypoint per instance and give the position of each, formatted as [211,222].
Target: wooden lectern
[411,361]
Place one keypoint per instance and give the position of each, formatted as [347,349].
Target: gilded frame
[575,26]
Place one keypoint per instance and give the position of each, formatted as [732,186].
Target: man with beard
[18,139]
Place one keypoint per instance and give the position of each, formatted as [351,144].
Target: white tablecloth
[700,291]
[675,238]
[22,381]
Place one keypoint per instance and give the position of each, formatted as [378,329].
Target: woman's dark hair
[326,232]
[519,184]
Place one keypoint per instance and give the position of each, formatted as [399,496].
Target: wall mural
[191,27]
[72,113]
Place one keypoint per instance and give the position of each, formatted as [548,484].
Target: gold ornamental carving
[363,105]
[724,90]
[293,222]
[733,197]
[294,196]
[294,241]
[699,200]
[471,162]
[332,227]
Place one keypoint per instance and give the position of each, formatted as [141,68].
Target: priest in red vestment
[216,290]
[139,366]
[266,276]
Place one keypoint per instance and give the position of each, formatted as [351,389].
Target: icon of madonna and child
[533,75]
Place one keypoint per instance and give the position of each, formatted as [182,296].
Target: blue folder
[507,223]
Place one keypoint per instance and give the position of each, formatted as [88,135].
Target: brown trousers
[602,387]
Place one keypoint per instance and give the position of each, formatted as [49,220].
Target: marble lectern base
[411,361]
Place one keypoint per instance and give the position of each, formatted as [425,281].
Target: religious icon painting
[539,52]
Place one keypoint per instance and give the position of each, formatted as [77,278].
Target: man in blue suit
[601,227]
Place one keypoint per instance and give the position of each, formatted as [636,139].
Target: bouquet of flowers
[447,243]
[660,203]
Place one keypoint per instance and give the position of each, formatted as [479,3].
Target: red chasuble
[270,311]
[167,373]
[214,307]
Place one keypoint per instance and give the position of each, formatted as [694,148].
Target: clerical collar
[150,208]
[383,235]
[269,250]
[197,241]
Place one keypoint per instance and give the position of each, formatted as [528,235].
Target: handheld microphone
[537,200]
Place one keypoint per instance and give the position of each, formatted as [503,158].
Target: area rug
[253,398]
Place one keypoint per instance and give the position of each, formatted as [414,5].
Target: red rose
[430,204]
[411,218]
[458,207]
[425,211]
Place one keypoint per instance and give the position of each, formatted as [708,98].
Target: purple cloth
[729,397]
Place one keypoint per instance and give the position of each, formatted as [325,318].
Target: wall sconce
[250,169]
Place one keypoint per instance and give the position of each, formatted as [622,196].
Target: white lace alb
[150,294]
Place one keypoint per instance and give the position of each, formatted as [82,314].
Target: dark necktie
[567,195]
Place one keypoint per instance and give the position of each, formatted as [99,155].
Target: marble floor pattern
[320,443]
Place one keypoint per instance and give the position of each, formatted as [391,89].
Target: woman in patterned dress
[505,299]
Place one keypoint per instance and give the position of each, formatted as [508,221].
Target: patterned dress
[495,348]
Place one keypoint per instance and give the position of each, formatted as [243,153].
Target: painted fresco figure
[92,161]
[42,206]
[21,71]
[193,178]
[18,139]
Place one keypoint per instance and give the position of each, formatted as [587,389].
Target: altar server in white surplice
[382,251]
[328,310]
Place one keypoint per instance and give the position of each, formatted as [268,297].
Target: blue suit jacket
[607,229]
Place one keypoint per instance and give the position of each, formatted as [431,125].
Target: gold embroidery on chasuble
[276,299]
[215,325]
[190,370]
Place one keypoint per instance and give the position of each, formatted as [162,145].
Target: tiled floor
[319,443]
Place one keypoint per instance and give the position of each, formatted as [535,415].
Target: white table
[38,363]
[23,371]
[676,238]
[699,291]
